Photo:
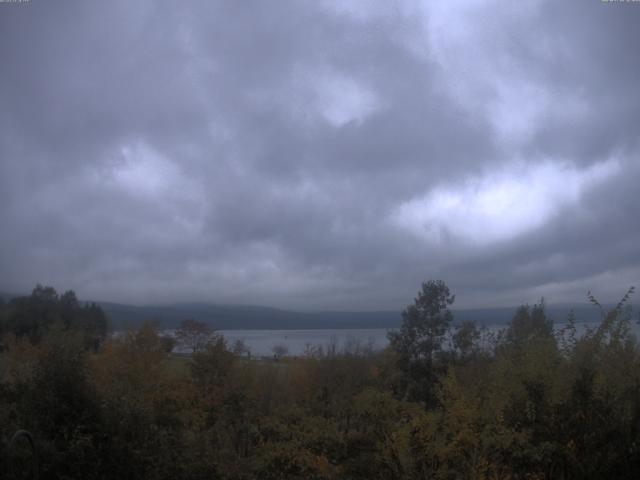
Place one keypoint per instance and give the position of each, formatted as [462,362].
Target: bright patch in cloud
[500,205]
[141,170]
[339,99]
[344,101]
[361,10]
[481,75]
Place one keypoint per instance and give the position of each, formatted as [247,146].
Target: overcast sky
[318,154]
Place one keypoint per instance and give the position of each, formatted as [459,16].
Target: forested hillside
[527,402]
[232,317]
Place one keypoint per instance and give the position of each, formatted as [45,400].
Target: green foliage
[529,324]
[531,405]
[465,341]
[211,367]
[34,315]
[60,406]
[419,341]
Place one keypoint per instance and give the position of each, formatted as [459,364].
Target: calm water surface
[261,342]
[296,342]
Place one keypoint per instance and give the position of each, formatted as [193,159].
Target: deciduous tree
[194,335]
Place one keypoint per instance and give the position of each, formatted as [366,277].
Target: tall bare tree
[194,335]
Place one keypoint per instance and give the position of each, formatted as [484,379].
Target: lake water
[261,342]
[296,342]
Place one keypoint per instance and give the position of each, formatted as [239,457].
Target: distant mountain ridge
[249,317]
[240,317]
[252,317]
[8,296]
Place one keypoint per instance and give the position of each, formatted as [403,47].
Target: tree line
[442,401]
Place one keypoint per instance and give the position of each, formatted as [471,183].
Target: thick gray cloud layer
[320,154]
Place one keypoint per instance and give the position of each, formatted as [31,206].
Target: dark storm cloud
[318,154]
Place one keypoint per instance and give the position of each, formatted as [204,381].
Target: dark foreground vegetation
[441,402]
